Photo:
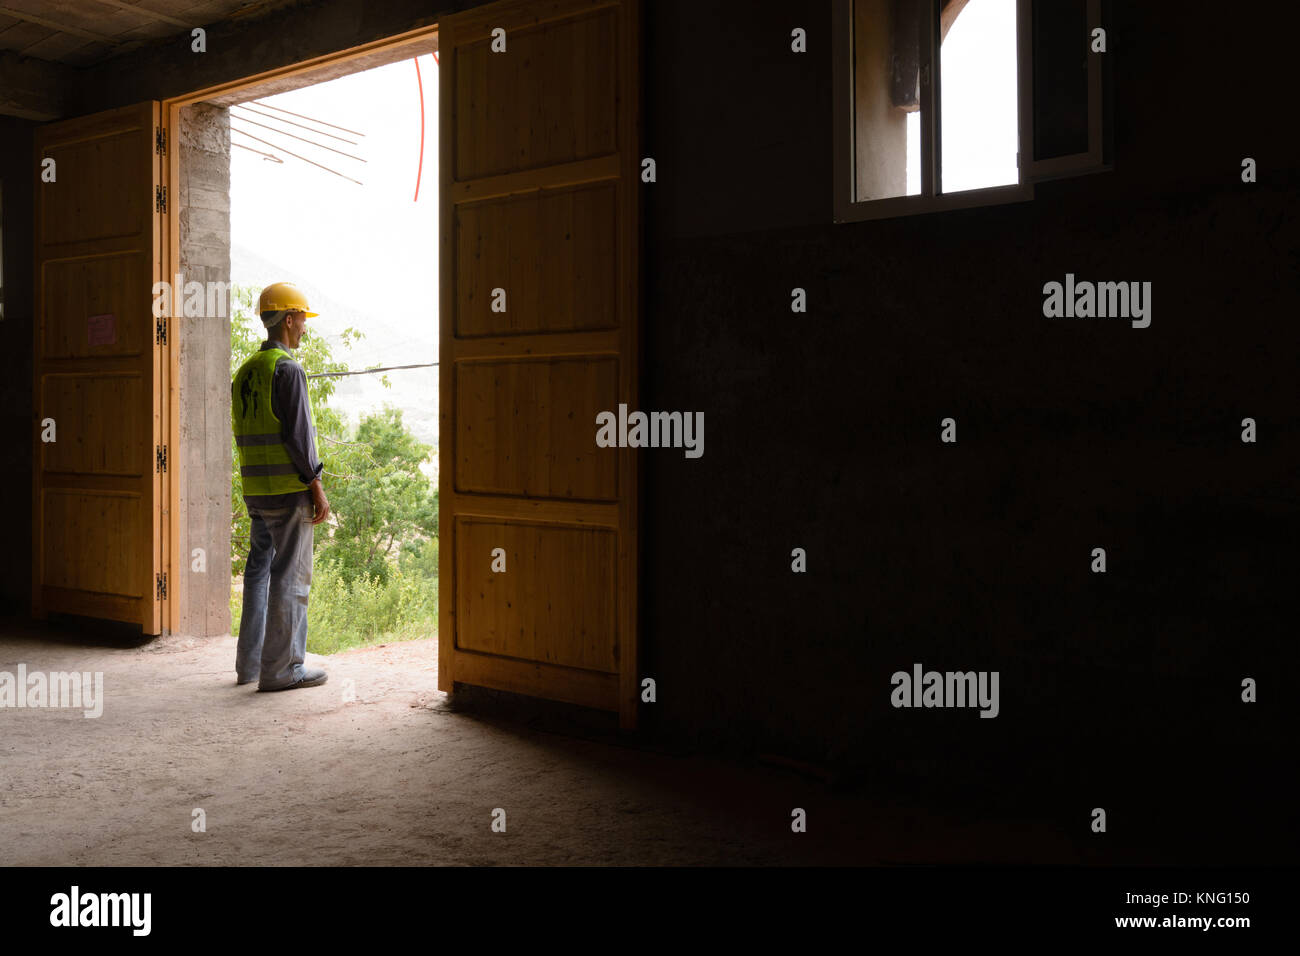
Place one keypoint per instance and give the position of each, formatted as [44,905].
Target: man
[276,438]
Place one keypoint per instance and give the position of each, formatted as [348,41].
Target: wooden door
[540,325]
[96,503]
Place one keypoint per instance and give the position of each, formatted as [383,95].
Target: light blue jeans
[277,582]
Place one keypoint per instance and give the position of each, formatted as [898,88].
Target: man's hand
[320,505]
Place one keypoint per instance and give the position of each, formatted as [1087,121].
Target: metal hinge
[160,332]
[160,457]
[160,198]
[160,140]
[160,585]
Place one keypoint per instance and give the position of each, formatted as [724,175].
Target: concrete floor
[397,777]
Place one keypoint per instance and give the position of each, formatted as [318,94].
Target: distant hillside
[387,342]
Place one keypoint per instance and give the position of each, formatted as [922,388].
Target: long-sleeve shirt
[291,406]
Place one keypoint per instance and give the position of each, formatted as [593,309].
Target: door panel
[553,250]
[549,99]
[506,614]
[527,427]
[96,506]
[540,198]
[105,441]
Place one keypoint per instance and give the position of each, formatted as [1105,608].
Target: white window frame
[847,208]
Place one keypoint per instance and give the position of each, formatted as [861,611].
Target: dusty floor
[392,777]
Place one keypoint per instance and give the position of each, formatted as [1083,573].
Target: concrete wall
[1119,689]
[204,143]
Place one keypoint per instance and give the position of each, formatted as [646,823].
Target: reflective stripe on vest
[264,463]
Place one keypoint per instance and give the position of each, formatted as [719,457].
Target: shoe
[246,680]
[311,677]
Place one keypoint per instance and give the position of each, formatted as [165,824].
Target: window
[935,101]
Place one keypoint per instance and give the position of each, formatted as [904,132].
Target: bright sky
[371,248]
[978,112]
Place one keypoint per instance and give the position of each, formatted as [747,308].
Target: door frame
[418,41]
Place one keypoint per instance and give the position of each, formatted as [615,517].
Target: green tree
[387,505]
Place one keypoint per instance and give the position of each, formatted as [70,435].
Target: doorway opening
[539,191]
[324,175]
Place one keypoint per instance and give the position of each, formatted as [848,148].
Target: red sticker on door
[103,329]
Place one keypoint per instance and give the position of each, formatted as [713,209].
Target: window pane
[979,96]
[886,83]
[1060,78]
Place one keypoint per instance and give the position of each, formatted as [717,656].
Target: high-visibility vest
[264,462]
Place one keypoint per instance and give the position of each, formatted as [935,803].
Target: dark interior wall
[1119,690]
[16,422]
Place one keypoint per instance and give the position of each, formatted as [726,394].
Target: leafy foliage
[386,503]
[343,614]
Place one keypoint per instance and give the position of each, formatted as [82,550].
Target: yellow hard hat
[281,296]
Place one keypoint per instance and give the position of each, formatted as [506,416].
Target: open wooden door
[540,326]
[97,541]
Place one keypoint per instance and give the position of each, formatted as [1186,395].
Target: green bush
[343,615]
